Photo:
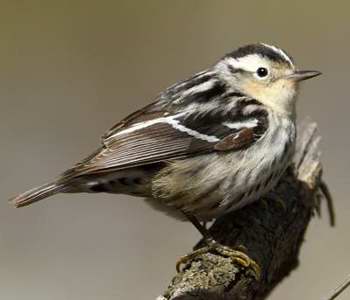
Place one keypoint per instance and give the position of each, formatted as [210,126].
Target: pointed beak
[303,75]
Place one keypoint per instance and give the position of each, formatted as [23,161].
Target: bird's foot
[236,255]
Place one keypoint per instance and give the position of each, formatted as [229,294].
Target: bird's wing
[150,136]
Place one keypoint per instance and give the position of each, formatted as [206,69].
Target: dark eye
[262,72]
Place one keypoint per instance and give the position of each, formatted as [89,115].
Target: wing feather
[145,146]
[151,137]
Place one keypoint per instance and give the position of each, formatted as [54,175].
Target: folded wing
[149,136]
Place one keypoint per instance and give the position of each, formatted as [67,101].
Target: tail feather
[37,194]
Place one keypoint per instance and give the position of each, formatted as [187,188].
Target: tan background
[70,69]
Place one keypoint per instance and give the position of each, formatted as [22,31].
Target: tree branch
[270,231]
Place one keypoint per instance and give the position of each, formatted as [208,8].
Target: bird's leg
[204,224]
[236,255]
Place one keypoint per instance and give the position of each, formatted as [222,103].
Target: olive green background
[70,69]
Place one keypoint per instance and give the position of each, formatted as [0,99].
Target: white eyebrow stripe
[248,63]
[171,120]
[250,123]
[280,52]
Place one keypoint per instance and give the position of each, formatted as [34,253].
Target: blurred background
[69,70]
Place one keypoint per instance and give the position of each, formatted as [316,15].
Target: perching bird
[206,146]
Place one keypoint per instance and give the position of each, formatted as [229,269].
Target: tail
[37,194]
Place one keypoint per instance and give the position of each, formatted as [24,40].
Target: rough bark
[270,231]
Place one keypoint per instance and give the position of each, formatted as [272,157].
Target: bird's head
[265,73]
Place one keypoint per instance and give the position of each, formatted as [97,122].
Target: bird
[207,145]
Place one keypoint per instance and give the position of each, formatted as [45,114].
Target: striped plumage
[207,145]
[213,184]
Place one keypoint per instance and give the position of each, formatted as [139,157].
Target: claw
[237,256]
[183,260]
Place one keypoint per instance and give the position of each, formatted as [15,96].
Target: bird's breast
[213,184]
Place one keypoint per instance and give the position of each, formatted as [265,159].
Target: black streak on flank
[285,149]
[268,180]
[257,188]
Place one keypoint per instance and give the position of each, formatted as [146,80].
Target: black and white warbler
[206,146]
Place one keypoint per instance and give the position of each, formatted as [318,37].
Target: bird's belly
[214,184]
